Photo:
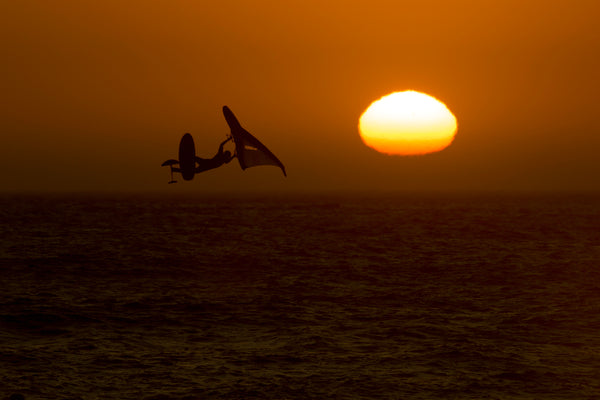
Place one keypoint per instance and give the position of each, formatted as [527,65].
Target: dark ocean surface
[300,297]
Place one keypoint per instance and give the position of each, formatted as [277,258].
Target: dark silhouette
[189,164]
[222,157]
[249,151]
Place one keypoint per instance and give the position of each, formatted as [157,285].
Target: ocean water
[300,297]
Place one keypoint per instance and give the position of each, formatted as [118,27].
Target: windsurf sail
[249,150]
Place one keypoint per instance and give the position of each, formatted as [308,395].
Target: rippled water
[300,297]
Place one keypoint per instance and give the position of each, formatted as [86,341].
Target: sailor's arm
[223,144]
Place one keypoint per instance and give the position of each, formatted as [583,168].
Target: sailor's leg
[203,164]
[170,162]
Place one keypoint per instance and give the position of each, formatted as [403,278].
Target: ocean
[349,296]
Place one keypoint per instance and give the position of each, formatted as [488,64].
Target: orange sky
[96,95]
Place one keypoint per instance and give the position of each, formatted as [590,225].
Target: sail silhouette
[249,150]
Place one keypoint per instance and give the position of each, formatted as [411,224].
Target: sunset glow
[407,123]
[94,102]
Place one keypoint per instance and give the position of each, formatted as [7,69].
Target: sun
[407,123]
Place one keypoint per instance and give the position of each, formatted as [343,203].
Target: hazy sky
[97,94]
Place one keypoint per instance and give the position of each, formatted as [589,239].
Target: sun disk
[407,123]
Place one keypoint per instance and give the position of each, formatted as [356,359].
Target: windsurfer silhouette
[249,151]
[222,157]
[189,164]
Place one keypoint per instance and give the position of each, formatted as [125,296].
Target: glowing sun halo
[407,123]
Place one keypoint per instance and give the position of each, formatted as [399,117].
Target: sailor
[222,157]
